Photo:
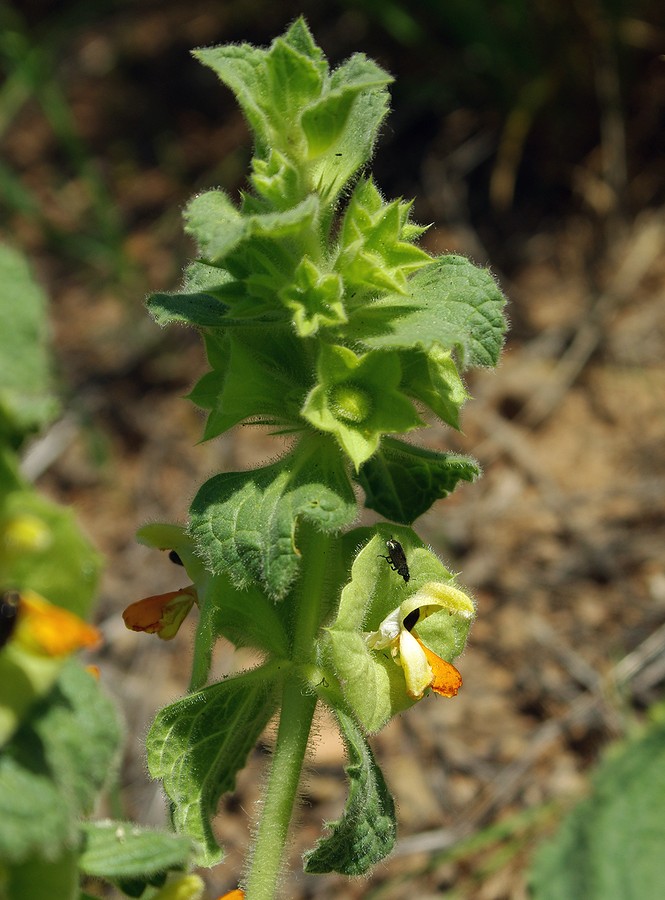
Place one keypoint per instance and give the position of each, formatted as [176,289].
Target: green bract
[357,399]
[323,320]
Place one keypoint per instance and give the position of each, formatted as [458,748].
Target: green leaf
[432,378]
[277,180]
[451,303]
[42,878]
[294,80]
[330,172]
[366,832]
[245,617]
[300,38]
[202,310]
[401,481]
[80,735]
[322,126]
[315,298]
[259,247]
[54,767]
[244,523]
[273,85]
[610,847]
[256,375]
[33,819]
[215,223]
[325,121]
[26,399]
[120,850]
[242,69]
[373,254]
[24,678]
[198,744]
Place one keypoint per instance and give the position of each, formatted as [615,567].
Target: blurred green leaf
[26,401]
[611,846]
[43,878]
[123,850]
[80,735]
[55,559]
[33,819]
[54,767]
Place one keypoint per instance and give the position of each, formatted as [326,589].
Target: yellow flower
[422,667]
[161,614]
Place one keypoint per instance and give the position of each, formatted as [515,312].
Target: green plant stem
[268,857]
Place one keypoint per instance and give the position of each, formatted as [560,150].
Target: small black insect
[9,604]
[397,559]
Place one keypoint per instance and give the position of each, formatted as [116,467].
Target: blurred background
[531,133]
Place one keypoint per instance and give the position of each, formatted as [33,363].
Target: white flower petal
[386,633]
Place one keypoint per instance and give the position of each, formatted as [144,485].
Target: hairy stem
[268,858]
[269,855]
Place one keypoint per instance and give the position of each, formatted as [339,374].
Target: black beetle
[397,559]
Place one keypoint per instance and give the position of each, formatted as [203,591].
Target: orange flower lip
[52,630]
[161,614]
[447,680]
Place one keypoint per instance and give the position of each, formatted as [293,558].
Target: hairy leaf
[256,375]
[190,309]
[366,832]
[431,376]
[198,744]
[244,523]
[313,130]
[256,247]
[401,481]
[451,303]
